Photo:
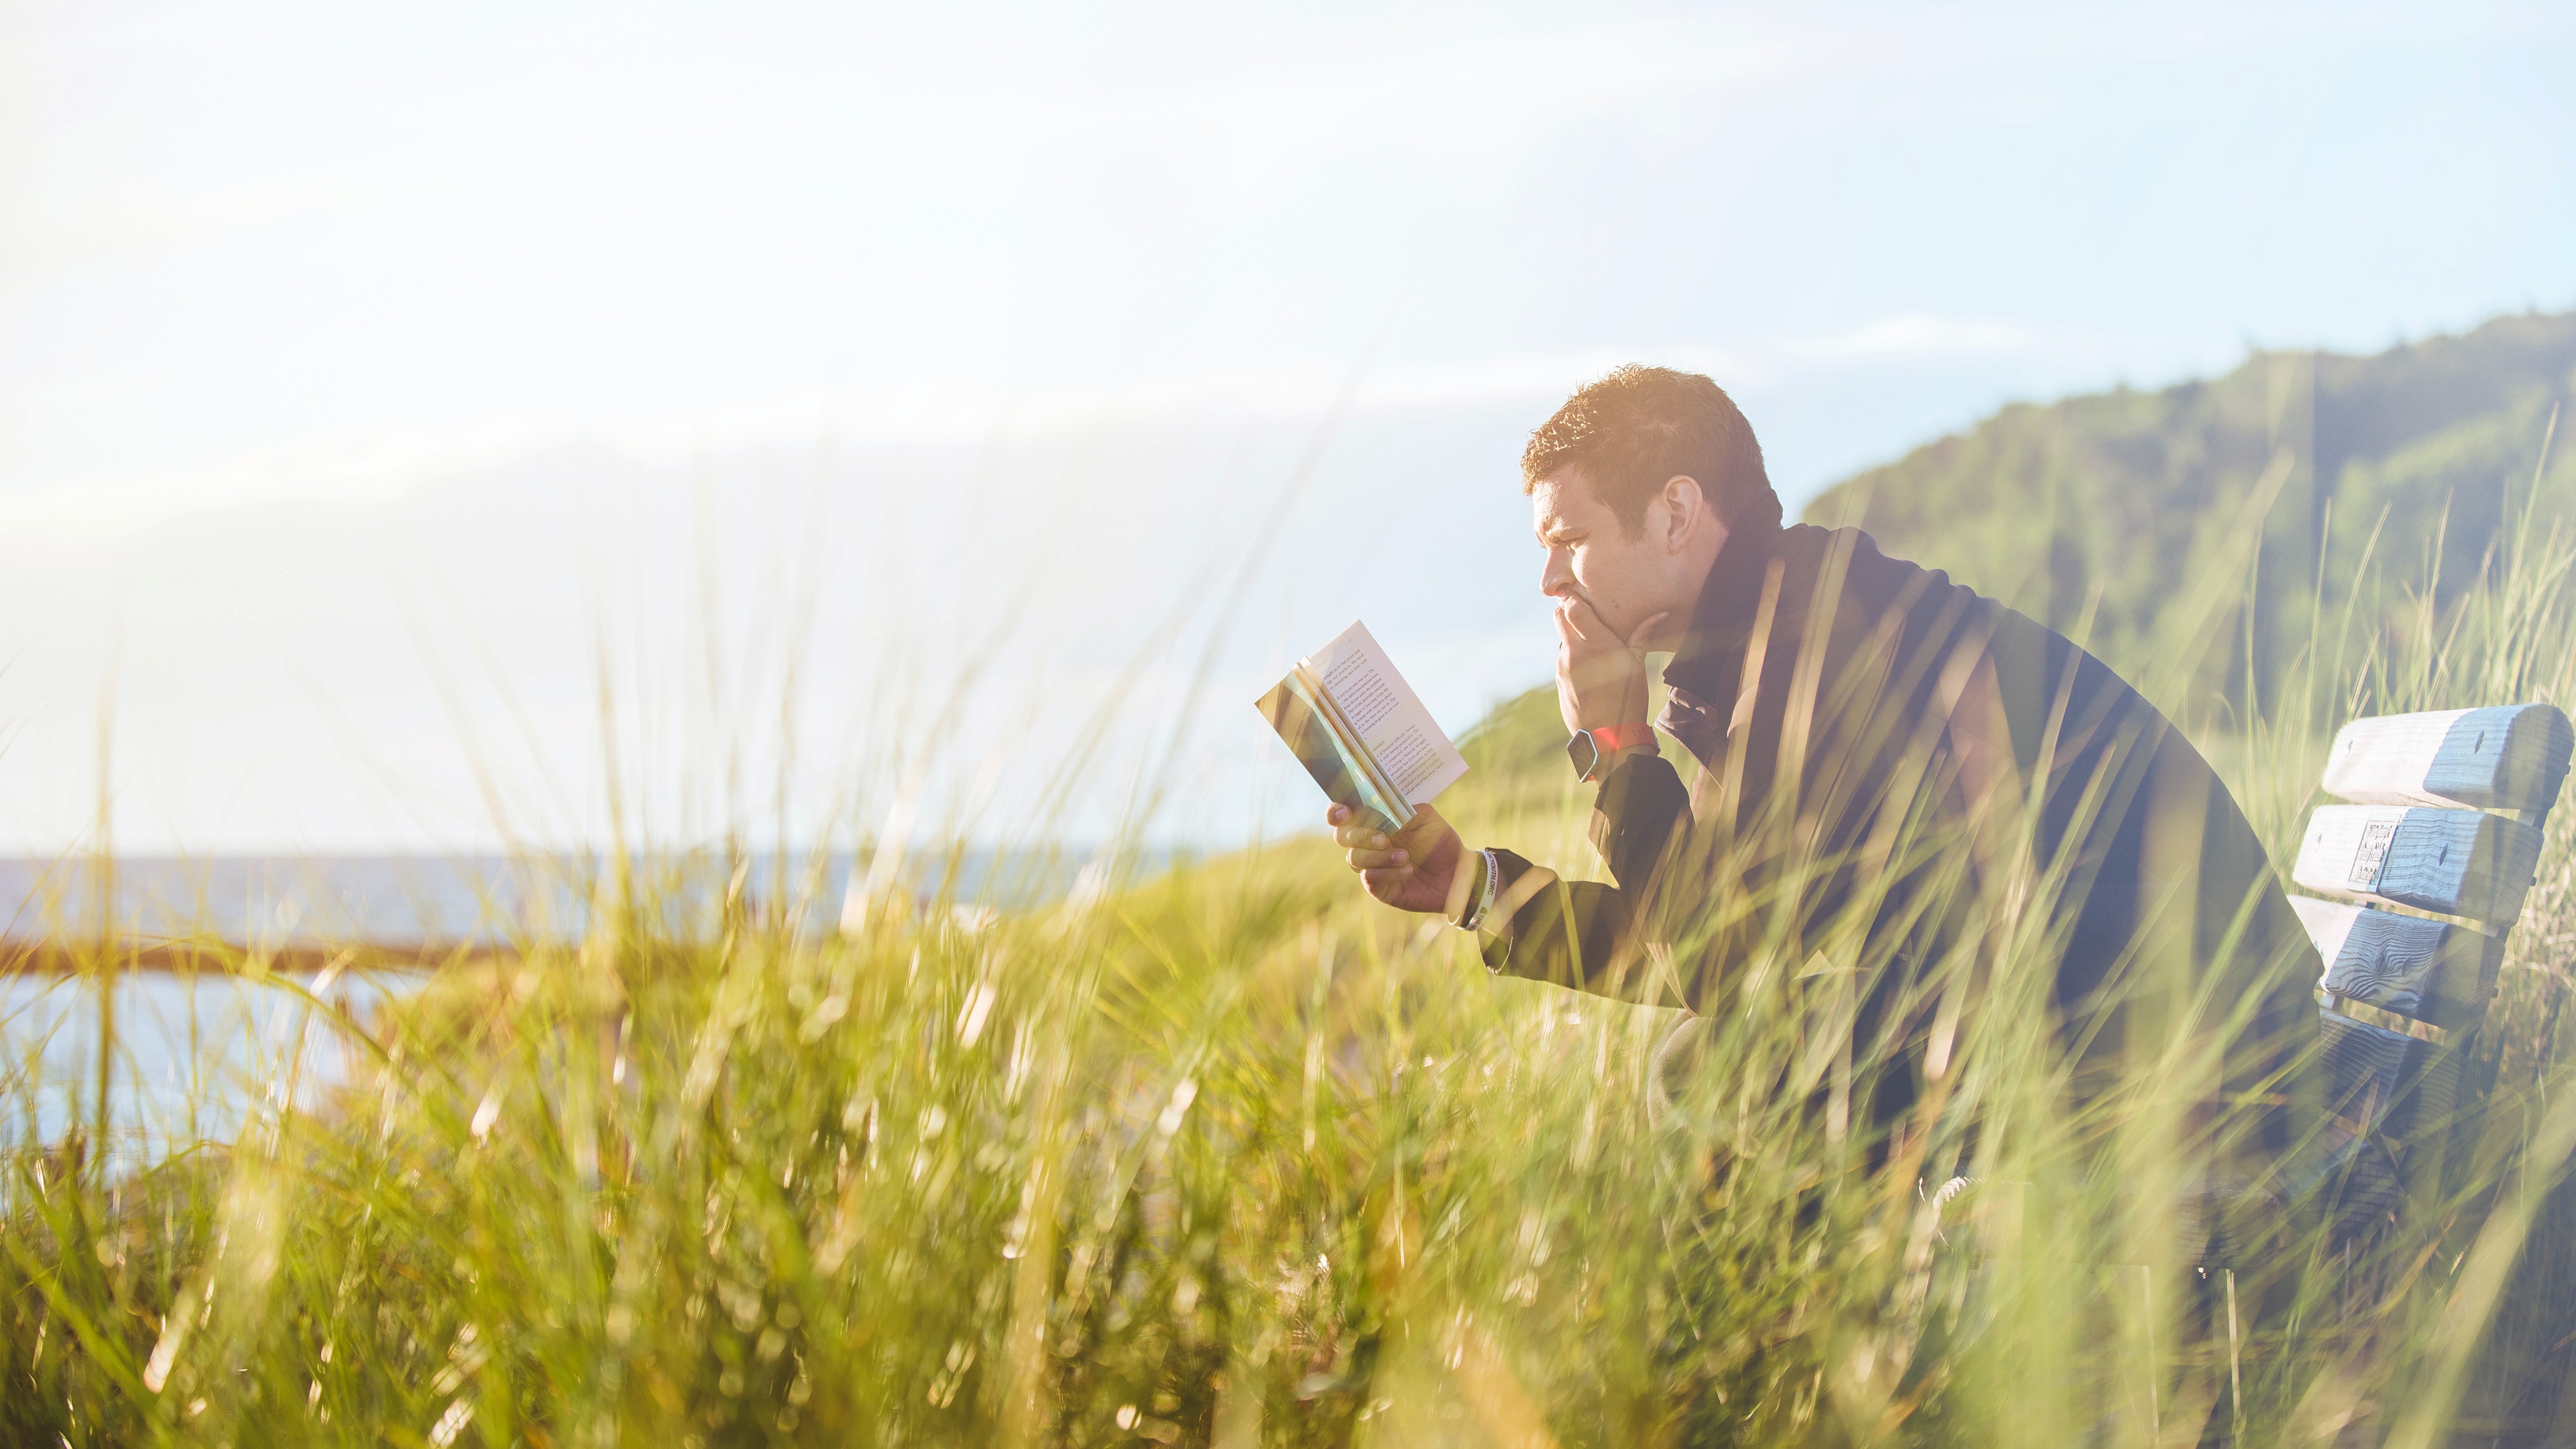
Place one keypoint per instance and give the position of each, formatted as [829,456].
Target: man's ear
[1684,507]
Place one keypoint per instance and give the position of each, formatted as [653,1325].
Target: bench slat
[2366,1066]
[2434,971]
[2506,757]
[2386,1080]
[2457,862]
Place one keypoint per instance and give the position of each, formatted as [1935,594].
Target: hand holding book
[1413,869]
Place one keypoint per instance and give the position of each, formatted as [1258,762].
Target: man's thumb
[1637,636]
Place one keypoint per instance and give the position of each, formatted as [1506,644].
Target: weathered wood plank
[2388,1081]
[2434,971]
[2457,862]
[2365,1066]
[2507,757]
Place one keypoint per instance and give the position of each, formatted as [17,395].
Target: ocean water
[194,1054]
[276,900]
[191,1057]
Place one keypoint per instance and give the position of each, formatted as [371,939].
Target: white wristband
[1484,897]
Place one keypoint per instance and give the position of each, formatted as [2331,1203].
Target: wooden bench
[2404,993]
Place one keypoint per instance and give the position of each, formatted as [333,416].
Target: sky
[378,386]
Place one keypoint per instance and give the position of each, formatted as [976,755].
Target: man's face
[1591,556]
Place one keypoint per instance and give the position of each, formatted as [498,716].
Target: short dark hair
[1640,426]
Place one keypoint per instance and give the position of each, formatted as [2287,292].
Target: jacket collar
[1722,620]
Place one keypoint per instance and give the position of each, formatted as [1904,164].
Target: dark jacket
[1896,772]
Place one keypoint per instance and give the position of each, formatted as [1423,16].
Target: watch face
[1584,753]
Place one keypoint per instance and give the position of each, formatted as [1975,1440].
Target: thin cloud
[1918,337]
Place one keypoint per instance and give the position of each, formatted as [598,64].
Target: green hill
[2126,494]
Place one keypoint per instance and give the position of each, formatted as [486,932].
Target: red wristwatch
[1589,748]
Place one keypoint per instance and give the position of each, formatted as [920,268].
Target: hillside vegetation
[2372,479]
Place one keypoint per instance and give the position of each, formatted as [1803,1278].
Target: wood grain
[2436,972]
[2458,862]
[2506,757]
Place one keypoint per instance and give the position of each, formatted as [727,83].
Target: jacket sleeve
[1641,809]
[1582,934]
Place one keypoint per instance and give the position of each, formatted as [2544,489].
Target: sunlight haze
[361,370]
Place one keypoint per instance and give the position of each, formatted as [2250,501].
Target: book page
[1411,749]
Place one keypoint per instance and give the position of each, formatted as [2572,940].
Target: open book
[1358,729]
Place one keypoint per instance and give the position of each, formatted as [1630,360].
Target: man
[1897,779]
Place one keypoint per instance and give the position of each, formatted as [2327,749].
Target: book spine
[1359,750]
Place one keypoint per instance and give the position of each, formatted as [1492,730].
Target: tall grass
[1231,1155]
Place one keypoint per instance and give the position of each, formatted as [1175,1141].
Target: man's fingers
[1336,813]
[1368,860]
[1578,623]
[1363,836]
[1570,625]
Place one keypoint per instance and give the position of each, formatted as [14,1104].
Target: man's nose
[1556,576]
